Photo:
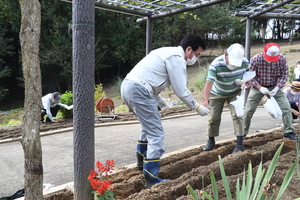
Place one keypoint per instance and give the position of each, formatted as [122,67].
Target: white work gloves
[274,91]
[239,81]
[163,104]
[68,107]
[264,90]
[202,110]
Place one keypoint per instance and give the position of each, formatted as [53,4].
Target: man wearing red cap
[271,75]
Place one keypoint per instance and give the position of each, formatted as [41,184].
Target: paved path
[113,142]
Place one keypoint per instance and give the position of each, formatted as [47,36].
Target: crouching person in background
[51,104]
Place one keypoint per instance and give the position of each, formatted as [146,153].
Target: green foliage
[4,73]
[192,192]
[122,108]
[56,44]
[118,81]
[5,51]
[99,93]
[198,84]
[119,40]
[11,117]
[66,98]
[107,195]
[9,53]
[292,75]
[202,78]
[252,189]
[11,122]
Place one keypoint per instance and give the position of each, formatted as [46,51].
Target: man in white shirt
[140,91]
[51,104]
[297,70]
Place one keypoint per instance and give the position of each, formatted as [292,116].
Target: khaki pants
[253,100]
[216,105]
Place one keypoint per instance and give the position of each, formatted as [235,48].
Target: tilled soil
[15,131]
[193,166]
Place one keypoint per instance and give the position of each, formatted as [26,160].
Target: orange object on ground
[105,105]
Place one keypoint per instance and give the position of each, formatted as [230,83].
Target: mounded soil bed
[193,166]
[10,132]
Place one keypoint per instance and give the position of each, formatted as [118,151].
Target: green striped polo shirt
[223,78]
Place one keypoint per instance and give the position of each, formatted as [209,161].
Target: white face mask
[191,61]
[294,93]
[231,67]
[298,66]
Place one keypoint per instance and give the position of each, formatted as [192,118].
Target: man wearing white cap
[223,85]
[271,75]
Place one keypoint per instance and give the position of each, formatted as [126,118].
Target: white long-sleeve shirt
[163,67]
[48,101]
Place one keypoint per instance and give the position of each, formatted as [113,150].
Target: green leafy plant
[122,108]
[101,180]
[11,122]
[66,98]
[250,189]
[99,93]
[12,117]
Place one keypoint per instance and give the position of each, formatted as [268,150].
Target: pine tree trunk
[29,38]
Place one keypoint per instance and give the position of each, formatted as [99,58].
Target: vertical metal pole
[248,39]
[83,17]
[248,48]
[149,35]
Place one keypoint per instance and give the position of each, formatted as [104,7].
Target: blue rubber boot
[141,151]
[151,169]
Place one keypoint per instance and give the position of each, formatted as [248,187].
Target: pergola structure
[286,9]
[148,10]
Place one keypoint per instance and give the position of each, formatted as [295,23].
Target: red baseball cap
[271,52]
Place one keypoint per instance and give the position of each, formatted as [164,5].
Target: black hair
[193,41]
[56,95]
[298,62]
